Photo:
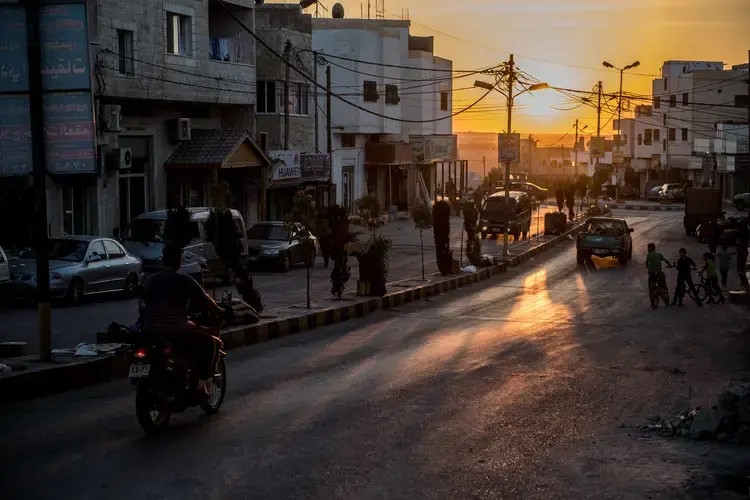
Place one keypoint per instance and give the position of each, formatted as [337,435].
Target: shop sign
[285,167]
[596,147]
[66,81]
[508,147]
[316,167]
[431,148]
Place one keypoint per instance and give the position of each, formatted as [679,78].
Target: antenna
[307,3]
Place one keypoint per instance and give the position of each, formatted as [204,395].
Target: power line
[560,139]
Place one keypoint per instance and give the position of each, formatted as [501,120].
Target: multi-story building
[391,77]
[640,146]
[689,100]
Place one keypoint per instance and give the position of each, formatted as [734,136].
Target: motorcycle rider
[653,265]
[168,296]
[684,267]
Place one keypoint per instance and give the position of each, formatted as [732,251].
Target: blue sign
[69,128]
[69,132]
[65,47]
[15,135]
[14,75]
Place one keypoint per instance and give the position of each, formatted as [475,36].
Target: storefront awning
[215,149]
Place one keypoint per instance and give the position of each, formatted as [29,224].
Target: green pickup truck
[605,237]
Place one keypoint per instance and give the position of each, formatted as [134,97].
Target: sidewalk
[32,379]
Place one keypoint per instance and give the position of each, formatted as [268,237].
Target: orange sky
[570,33]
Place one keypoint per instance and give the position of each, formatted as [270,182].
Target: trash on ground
[469,269]
[4,368]
[84,349]
[728,420]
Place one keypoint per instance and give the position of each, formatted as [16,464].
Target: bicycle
[657,288]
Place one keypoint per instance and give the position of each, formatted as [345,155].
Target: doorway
[134,193]
[347,183]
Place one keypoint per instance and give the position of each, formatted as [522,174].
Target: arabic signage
[509,147]
[68,116]
[596,147]
[427,149]
[285,167]
[316,167]
[15,135]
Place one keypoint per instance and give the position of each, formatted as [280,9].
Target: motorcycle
[166,383]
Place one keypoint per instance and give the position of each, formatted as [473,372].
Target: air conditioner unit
[119,159]
[179,129]
[112,117]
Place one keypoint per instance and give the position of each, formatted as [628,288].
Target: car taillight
[140,353]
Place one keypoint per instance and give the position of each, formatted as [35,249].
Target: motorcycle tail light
[140,353]
[167,351]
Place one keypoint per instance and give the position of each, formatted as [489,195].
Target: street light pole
[619,119]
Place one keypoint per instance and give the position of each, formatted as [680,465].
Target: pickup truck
[605,237]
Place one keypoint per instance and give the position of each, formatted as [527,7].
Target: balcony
[227,40]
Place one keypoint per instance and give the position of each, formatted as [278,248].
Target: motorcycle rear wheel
[217,389]
[152,418]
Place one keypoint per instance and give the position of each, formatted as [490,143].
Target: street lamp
[619,113]
[509,96]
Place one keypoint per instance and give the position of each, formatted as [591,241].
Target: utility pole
[619,140]
[287,50]
[598,113]
[511,75]
[575,167]
[328,110]
[315,97]
[34,54]
[484,166]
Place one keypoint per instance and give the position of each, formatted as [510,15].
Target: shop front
[284,180]
[391,174]
[315,173]
[218,167]
[436,161]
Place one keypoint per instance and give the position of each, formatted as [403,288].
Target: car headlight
[55,276]
[270,251]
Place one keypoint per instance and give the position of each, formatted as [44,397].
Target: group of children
[713,266]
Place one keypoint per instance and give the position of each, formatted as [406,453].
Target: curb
[23,385]
[648,208]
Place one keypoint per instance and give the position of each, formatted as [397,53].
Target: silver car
[81,265]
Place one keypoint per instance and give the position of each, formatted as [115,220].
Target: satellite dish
[338,11]
[306,3]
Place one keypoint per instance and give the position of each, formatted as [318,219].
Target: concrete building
[374,64]
[689,100]
[641,149]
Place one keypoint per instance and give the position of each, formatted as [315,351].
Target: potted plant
[301,218]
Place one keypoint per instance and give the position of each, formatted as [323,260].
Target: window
[657,133]
[97,248]
[657,102]
[266,97]
[665,84]
[348,141]
[684,134]
[443,101]
[113,250]
[640,139]
[371,91]
[391,94]
[125,52]
[179,34]
[664,119]
[647,137]
[624,139]
[264,141]
[300,98]
[672,134]
[664,145]
[685,99]
[673,101]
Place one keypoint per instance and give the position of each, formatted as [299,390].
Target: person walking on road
[723,258]
[685,265]
[712,279]
[743,241]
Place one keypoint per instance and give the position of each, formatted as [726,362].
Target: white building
[641,146]
[376,65]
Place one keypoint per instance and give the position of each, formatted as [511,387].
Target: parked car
[496,214]
[270,244]
[671,192]
[4,274]
[80,265]
[144,238]
[741,201]
[653,193]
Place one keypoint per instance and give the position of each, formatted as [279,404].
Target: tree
[301,219]
[370,210]
[223,232]
[177,227]
[422,216]
[473,244]
[441,213]
[338,218]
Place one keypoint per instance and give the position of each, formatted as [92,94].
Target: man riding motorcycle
[168,296]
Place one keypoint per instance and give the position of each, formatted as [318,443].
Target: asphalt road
[71,325]
[529,386]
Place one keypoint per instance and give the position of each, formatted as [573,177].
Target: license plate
[139,371]
[600,252]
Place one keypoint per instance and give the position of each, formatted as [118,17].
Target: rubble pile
[727,421]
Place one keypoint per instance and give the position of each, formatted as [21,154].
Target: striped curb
[648,208]
[22,385]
